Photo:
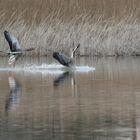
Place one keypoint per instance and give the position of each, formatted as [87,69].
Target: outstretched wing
[61,58]
[12,41]
[8,39]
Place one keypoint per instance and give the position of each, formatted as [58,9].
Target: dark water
[41,103]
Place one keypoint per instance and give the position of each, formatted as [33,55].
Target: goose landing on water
[65,60]
[15,49]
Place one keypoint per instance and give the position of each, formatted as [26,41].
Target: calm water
[43,101]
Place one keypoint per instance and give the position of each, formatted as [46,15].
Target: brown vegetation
[109,27]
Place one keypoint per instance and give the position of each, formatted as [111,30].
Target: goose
[15,49]
[65,60]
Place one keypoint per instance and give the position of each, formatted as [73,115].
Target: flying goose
[15,49]
[65,60]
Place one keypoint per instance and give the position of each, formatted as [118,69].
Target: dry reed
[105,28]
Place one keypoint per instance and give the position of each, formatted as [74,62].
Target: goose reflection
[14,94]
[62,78]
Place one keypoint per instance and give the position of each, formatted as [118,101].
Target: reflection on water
[62,78]
[103,104]
[14,95]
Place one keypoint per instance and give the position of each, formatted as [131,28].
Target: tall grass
[103,28]
[67,9]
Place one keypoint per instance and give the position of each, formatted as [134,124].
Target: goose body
[65,60]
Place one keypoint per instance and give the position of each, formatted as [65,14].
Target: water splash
[45,68]
[84,68]
[48,68]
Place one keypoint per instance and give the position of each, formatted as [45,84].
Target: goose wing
[63,59]
[12,41]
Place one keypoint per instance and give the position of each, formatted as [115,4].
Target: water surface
[99,100]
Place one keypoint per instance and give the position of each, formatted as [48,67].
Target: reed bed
[48,25]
